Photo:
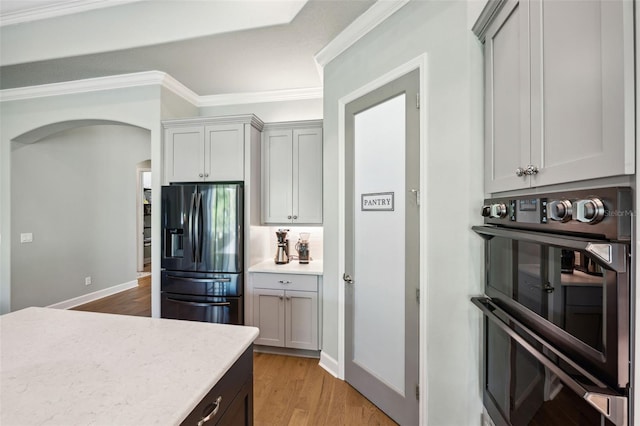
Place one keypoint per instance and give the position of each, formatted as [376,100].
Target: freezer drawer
[202,284]
[222,310]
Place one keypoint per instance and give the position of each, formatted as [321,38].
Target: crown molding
[57,9]
[366,22]
[488,14]
[147,78]
[150,78]
[260,97]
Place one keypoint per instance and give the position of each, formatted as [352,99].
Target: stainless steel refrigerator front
[202,252]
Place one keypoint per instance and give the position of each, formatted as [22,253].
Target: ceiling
[213,47]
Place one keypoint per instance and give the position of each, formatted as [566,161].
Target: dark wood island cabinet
[230,401]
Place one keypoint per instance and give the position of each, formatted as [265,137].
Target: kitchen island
[61,367]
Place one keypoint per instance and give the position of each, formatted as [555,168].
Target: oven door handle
[607,402]
[612,255]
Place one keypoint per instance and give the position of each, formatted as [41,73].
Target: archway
[75,192]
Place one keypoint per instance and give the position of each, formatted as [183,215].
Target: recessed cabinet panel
[269,317]
[225,150]
[278,184]
[507,103]
[578,90]
[183,153]
[302,329]
[307,169]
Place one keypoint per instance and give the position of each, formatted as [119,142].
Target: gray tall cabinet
[559,91]
[292,173]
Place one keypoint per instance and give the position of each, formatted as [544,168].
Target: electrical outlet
[26,237]
[87,281]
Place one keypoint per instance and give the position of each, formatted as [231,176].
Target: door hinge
[418,392]
[418,295]
[418,100]
[416,192]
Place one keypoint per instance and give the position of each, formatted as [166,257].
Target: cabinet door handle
[288,297]
[531,170]
[280,297]
[216,407]
[295,217]
[520,172]
[289,217]
[284,282]
[200,174]
[206,175]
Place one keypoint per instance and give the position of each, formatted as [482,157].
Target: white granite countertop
[61,367]
[314,267]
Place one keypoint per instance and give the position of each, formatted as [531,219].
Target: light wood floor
[288,391]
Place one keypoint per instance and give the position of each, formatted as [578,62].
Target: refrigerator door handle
[198,219]
[200,280]
[191,226]
[186,302]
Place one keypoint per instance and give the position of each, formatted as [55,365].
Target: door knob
[347,278]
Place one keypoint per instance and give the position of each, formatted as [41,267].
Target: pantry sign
[377,202]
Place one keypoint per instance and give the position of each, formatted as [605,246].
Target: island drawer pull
[284,282]
[216,407]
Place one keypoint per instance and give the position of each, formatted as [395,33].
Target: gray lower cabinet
[292,173]
[285,309]
[559,85]
[230,401]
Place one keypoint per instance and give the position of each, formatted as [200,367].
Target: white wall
[451,392]
[76,192]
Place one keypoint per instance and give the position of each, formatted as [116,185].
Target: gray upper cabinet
[292,173]
[559,91]
[206,149]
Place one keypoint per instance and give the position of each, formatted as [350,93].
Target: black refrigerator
[202,252]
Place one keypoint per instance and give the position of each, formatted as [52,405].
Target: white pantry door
[382,247]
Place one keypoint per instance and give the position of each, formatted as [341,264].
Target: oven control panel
[602,211]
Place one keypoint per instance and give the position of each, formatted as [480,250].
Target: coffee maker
[302,247]
[282,253]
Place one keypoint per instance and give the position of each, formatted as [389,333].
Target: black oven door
[529,382]
[574,292]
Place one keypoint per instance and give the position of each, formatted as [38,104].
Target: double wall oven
[557,307]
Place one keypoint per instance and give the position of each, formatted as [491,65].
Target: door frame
[420,63]
[140,218]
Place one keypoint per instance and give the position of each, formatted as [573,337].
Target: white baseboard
[90,297]
[329,364]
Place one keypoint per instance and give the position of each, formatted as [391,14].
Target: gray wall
[453,256]
[76,192]
[271,112]
[136,106]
